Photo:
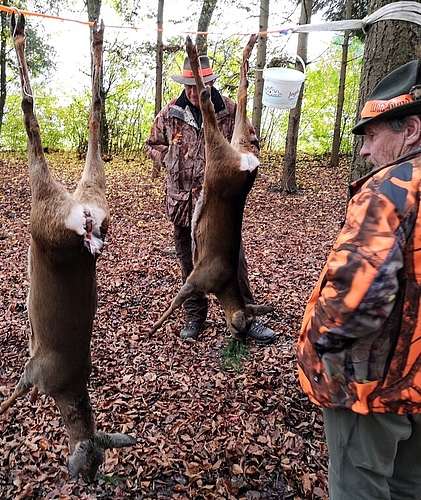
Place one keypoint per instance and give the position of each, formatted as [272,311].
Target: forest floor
[208,426]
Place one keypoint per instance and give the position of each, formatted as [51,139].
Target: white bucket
[282,86]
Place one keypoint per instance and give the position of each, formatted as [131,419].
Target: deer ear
[115,440]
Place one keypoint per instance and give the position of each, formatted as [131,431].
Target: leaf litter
[206,428]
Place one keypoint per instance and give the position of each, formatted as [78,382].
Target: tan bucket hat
[187,77]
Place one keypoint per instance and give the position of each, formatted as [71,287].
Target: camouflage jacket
[360,341]
[177,142]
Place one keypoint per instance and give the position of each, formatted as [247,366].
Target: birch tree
[94,12]
[260,64]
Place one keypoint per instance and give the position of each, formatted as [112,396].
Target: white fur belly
[248,162]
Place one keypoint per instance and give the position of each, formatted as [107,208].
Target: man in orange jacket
[359,351]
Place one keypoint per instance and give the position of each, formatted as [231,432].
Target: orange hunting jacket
[360,341]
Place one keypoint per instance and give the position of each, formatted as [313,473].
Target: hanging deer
[67,236]
[217,221]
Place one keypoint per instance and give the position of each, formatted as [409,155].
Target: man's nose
[364,151]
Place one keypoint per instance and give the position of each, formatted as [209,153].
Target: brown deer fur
[217,222]
[67,235]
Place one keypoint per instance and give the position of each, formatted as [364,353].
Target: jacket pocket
[178,206]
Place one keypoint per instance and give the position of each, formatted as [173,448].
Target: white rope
[399,11]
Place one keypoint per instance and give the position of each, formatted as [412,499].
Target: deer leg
[76,411]
[92,183]
[89,453]
[36,159]
[87,446]
[232,301]
[238,325]
[195,65]
[23,387]
[239,316]
[240,138]
[242,88]
[206,105]
[241,320]
[258,310]
[90,192]
[35,150]
[186,291]
[34,394]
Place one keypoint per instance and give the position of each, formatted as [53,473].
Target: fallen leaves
[202,431]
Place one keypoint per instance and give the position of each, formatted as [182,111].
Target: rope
[398,11]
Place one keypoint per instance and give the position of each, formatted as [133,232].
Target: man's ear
[414,130]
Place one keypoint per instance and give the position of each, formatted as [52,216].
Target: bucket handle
[297,57]
[302,64]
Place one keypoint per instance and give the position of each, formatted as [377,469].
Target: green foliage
[77,122]
[335,10]
[13,135]
[39,53]
[227,56]
[130,112]
[319,104]
[233,354]
[129,85]
[55,119]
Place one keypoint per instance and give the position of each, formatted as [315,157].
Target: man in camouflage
[177,142]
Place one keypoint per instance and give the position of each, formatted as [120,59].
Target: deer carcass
[217,221]
[67,236]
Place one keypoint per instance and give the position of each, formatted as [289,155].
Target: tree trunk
[159,58]
[336,143]
[205,18]
[288,182]
[158,74]
[260,64]
[3,51]
[94,12]
[388,45]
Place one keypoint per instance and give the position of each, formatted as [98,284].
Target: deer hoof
[238,326]
[89,454]
[205,95]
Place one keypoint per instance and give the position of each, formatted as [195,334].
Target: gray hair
[399,124]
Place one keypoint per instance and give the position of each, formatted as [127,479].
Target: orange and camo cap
[187,77]
[393,97]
